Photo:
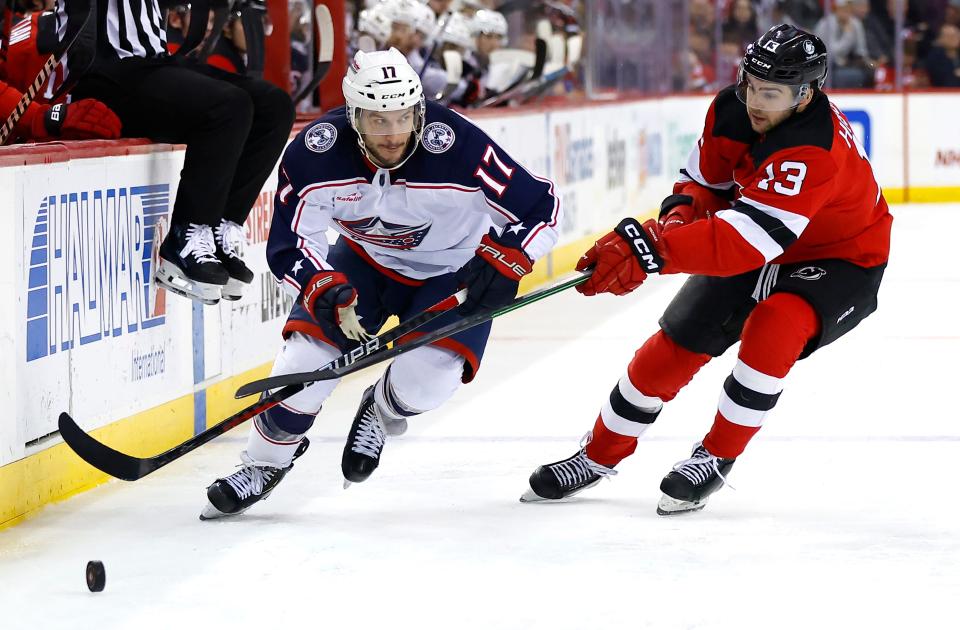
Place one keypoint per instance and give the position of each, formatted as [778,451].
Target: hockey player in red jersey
[786,233]
[20,62]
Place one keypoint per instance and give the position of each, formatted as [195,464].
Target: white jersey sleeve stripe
[693,170]
[752,233]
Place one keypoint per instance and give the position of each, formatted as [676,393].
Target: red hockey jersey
[803,191]
[24,61]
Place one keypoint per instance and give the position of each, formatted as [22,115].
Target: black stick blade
[100,456]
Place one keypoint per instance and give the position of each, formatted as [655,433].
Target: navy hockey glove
[330,297]
[492,276]
[622,259]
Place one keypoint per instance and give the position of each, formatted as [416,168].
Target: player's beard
[380,158]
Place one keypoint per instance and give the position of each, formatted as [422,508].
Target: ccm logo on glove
[632,232]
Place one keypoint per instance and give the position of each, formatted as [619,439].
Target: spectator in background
[943,61]
[741,27]
[702,18]
[879,25]
[802,13]
[951,14]
[301,44]
[844,36]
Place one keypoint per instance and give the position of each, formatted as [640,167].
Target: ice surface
[845,514]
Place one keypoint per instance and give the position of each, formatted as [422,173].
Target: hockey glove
[492,276]
[676,210]
[86,119]
[328,296]
[690,202]
[622,259]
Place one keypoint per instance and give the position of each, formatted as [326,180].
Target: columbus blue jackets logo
[438,137]
[384,234]
[809,273]
[320,137]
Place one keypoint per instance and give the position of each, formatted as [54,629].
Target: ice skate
[236,493]
[230,243]
[361,453]
[567,477]
[687,487]
[188,263]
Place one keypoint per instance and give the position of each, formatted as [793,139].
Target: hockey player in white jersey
[424,203]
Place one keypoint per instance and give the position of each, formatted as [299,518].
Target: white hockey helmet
[457,32]
[384,81]
[425,21]
[487,22]
[400,11]
[376,23]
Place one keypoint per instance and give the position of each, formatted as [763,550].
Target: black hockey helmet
[788,56]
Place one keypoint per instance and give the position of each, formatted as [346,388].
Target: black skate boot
[566,477]
[361,453]
[691,482]
[188,263]
[230,242]
[236,493]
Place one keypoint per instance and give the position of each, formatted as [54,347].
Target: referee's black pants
[235,127]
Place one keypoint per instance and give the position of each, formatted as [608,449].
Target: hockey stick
[435,43]
[324,52]
[335,370]
[130,468]
[252,20]
[83,42]
[539,88]
[221,13]
[512,90]
[199,13]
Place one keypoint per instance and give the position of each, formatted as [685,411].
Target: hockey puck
[96,576]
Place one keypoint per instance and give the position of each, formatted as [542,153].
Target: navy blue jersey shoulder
[324,150]
[449,151]
[813,127]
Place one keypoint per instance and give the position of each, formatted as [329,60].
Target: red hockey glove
[87,119]
[690,202]
[676,210]
[330,297]
[492,276]
[622,259]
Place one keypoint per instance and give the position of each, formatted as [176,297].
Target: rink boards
[83,330]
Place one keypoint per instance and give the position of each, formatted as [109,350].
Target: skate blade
[532,497]
[668,506]
[210,513]
[232,290]
[170,278]
[395,428]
